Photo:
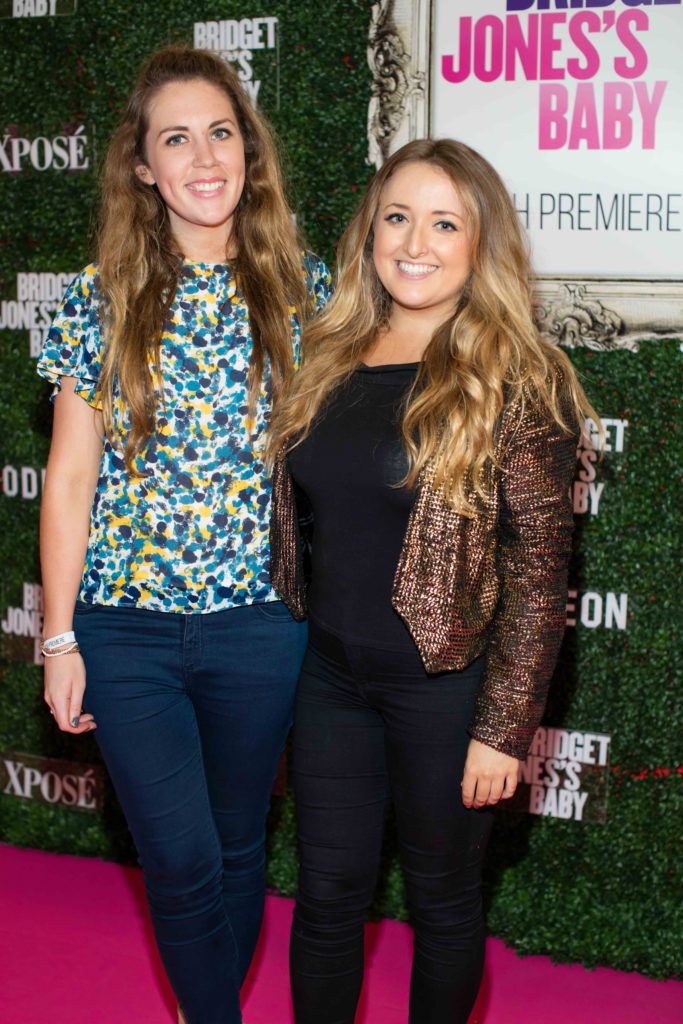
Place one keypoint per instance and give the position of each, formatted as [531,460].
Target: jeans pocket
[81,608]
[275,611]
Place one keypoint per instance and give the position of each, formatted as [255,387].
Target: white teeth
[206,186]
[416,269]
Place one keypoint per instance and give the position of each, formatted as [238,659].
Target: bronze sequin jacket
[496,582]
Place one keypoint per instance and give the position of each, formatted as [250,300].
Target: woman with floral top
[161,625]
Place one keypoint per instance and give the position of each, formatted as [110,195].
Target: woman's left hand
[489,775]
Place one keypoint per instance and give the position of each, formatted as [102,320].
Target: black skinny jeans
[371,726]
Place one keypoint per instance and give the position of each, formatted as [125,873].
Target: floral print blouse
[190,534]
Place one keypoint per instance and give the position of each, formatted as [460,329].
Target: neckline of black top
[387,367]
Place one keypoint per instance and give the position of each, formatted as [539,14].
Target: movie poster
[578,104]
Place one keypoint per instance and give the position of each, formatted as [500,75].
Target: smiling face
[421,246]
[194,154]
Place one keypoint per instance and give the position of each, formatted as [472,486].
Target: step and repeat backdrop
[578,105]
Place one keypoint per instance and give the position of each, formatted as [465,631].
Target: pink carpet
[75,944]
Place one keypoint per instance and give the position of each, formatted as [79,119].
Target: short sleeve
[318,280]
[73,345]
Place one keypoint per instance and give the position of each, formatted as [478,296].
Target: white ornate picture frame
[597,312]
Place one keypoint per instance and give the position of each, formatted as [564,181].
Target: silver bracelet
[69,637]
[69,649]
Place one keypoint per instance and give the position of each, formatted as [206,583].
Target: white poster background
[565,195]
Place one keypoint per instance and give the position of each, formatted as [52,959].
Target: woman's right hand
[64,689]
[70,485]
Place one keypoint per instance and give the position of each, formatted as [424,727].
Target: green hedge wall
[579,891]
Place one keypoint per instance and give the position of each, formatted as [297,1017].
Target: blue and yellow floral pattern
[190,534]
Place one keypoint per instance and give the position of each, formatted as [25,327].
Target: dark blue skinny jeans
[192,713]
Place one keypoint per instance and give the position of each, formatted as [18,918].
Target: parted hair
[487,355]
[139,259]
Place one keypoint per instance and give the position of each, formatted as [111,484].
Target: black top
[346,468]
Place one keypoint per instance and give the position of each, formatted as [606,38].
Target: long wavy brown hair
[487,355]
[139,260]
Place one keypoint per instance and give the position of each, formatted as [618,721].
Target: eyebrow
[184,127]
[439,213]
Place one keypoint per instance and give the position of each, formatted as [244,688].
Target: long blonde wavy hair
[139,260]
[487,356]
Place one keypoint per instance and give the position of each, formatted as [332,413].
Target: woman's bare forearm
[64,525]
[70,483]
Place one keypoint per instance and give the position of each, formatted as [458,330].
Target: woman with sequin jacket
[161,625]
[431,435]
